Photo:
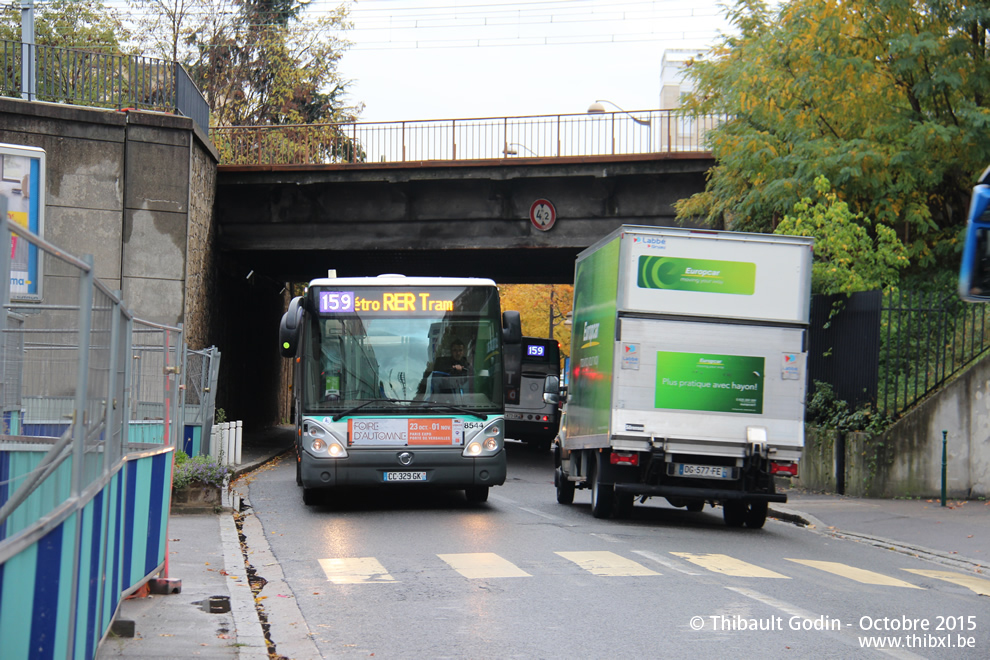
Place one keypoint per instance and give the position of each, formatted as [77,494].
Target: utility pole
[28,83]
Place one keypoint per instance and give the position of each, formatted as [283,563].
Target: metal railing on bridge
[100,80]
[486,138]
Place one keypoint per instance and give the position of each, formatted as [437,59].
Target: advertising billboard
[22,183]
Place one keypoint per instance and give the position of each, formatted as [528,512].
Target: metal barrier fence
[539,136]
[926,338]
[94,402]
[62,75]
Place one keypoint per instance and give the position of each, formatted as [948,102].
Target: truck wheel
[602,495]
[734,512]
[756,515]
[476,494]
[624,504]
[565,488]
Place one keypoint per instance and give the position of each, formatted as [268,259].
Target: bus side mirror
[290,328]
[511,328]
[974,272]
[512,353]
[551,389]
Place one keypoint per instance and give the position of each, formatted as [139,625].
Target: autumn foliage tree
[533,302]
[888,99]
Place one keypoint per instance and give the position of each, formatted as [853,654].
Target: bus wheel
[565,488]
[541,445]
[298,472]
[696,506]
[311,496]
[602,495]
[476,494]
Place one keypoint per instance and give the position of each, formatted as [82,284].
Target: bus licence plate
[703,471]
[405,476]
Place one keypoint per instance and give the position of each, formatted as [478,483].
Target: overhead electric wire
[494,17]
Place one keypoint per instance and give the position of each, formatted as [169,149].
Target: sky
[449,59]
[452,59]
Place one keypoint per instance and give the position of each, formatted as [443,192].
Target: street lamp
[597,108]
[508,151]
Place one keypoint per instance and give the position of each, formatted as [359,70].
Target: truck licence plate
[405,476]
[703,471]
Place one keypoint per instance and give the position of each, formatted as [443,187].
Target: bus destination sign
[392,302]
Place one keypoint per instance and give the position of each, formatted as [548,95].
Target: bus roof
[402,280]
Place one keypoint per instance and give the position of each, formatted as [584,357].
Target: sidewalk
[956,535]
[205,554]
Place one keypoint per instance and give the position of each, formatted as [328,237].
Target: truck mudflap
[698,493]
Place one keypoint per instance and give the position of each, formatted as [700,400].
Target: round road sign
[542,214]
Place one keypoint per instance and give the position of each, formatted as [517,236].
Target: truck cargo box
[688,348]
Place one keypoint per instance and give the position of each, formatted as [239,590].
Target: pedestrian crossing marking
[607,564]
[475,565]
[979,585]
[857,574]
[355,570]
[727,565]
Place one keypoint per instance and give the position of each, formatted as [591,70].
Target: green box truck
[687,371]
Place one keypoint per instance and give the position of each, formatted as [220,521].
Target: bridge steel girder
[293,223]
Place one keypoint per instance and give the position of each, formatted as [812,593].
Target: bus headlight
[322,443]
[487,443]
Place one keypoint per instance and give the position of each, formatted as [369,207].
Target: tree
[533,302]
[847,257]
[81,24]
[256,61]
[163,26]
[888,99]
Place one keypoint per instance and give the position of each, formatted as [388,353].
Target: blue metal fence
[92,414]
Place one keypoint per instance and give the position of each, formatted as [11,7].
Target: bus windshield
[398,349]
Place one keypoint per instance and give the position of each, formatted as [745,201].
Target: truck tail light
[790,469]
[623,458]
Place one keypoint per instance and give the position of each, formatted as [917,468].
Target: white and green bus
[377,402]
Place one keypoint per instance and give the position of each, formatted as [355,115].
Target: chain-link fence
[84,383]
[93,403]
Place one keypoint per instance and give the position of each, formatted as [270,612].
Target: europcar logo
[590,335]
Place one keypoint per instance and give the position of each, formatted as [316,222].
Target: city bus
[974,272]
[373,405]
[532,410]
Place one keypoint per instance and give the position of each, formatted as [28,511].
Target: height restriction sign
[542,214]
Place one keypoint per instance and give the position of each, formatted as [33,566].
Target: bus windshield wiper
[345,413]
[422,403]
[447,406]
